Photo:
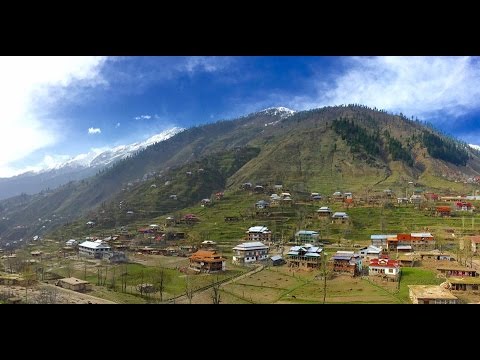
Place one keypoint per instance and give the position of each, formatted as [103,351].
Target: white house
[249,252]
[71,242]
[384,267]
[370,252]
[94,249]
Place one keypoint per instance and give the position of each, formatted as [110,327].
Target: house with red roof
[386,268]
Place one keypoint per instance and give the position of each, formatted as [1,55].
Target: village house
[286,201]
[407,260]
[370,252]
[457,271]
[416,199]
[305,257]
[431,196]
[262,204]
[74,284]
[306,236]
[278,187]
[205,202]
[314,196]
[71,243]
[464,283]
[259,233]
[190,219]
[169,221]
[463,206]
[418,241]
[246,186]
[404,248]
[346,262]
[275,200]
[250,252]
[115,257]
[402,200]
[431,294]
[258,189]
[207,261]
[94,249]
[475,243]
[435,255]
[380,240]
[387,268]
[277,260]
[337,196]
[340,218]
[443,211]
[324,211]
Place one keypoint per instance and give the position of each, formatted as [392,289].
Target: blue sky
[56,107]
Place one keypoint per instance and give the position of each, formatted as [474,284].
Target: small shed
[277,260]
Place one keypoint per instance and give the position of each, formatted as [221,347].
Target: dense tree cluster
[397,151]
[444,149]
[357,137]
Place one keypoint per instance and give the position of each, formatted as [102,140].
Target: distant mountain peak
[106,156]
[476,147]
[282,111]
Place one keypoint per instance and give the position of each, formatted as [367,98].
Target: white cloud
[421,86]
[27,86]
[143,117]
[205,63]
[118,125]
[94,130]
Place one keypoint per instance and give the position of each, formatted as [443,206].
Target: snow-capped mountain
[106,156]
[476,147]
[282,111]
[75,168]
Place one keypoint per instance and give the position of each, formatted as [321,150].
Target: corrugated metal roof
[341,257]
[250,246]
[276,257]
[421,235]
[94,245]
[306,232]
[260,229]
[309,254]
[292,253]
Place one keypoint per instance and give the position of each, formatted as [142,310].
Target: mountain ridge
[76,167]
[349,148]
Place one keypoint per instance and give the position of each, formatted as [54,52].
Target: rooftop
[94,245]
[307,232]
[250,246]
[431,292]
[73,281]
[259,229]
[464,280]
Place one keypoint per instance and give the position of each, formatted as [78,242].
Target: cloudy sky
[56,107]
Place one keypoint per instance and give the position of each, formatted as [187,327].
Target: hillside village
[334,205]
[426,253]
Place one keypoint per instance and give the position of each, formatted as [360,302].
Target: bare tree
[215,295]
[324,274]
[162,279]
[46,296]
[189,291]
